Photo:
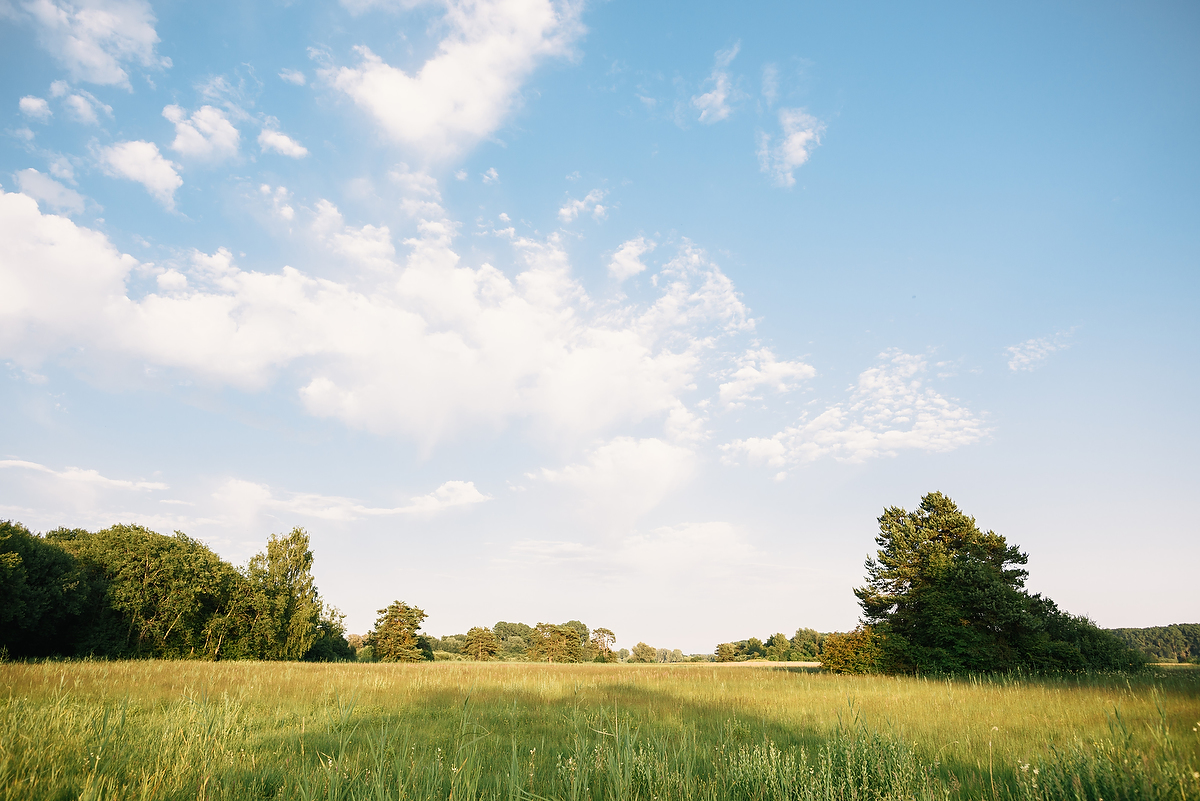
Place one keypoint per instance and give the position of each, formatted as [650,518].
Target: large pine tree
[948,597]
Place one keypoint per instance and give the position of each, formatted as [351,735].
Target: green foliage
[551,643]
[946,597]
[128,592]
[481,644]
[156,596]
[330,644]
[1179,642]
[514,640]
[43,593]
[276,611]
[395,637]
[859,651]
[602,642]
[806,645]
[643,653]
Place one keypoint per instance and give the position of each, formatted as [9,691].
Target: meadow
[257,730]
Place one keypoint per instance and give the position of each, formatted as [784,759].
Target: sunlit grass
[289,730]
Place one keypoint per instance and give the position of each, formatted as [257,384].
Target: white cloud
[760,368]
[60,284]
[450,494]
[293,77]
[888,411]
[35,107]
[800,134]
[281,143]
[96,39]
[627,261]
[713,105]
[1030,354]
[627,477]
[60,167]
[207,134]
[463,93]
[75,474]
[248,500]
[491,176]
[573,208]
[426,348]
[46,190]
[82,107]
[59,88]
[369,246]
[141,162]
[770,84]
[279,200]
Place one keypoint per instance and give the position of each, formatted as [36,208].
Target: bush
[858,651]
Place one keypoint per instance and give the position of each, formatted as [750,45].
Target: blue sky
[640,315]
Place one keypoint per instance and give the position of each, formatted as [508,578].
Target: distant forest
[1179,642]
[127,592]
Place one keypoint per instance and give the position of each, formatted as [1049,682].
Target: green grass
[191,730]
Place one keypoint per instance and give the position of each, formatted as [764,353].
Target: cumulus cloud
[82,108]
[96,39]
[141,162]
[281,143]
[1030,354]
[80,476]
[425,350]
[573,208]
[800,133]
[627,261]
[45,189]
[463,93]
[207,134]
[713,105]
[759,369]
[35,107]
[888,411]
[368,245]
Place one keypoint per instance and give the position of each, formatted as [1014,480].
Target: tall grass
[143,730]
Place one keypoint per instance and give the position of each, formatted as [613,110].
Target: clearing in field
[252,730]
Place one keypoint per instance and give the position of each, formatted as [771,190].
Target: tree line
[1179,642]
[941,596]
[396,637]
[128,592]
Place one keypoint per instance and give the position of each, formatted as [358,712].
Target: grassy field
[145,730]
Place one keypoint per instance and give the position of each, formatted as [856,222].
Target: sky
[638,314]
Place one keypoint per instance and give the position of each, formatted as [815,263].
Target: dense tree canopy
[945,596]
[127,591]
[1179,642]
